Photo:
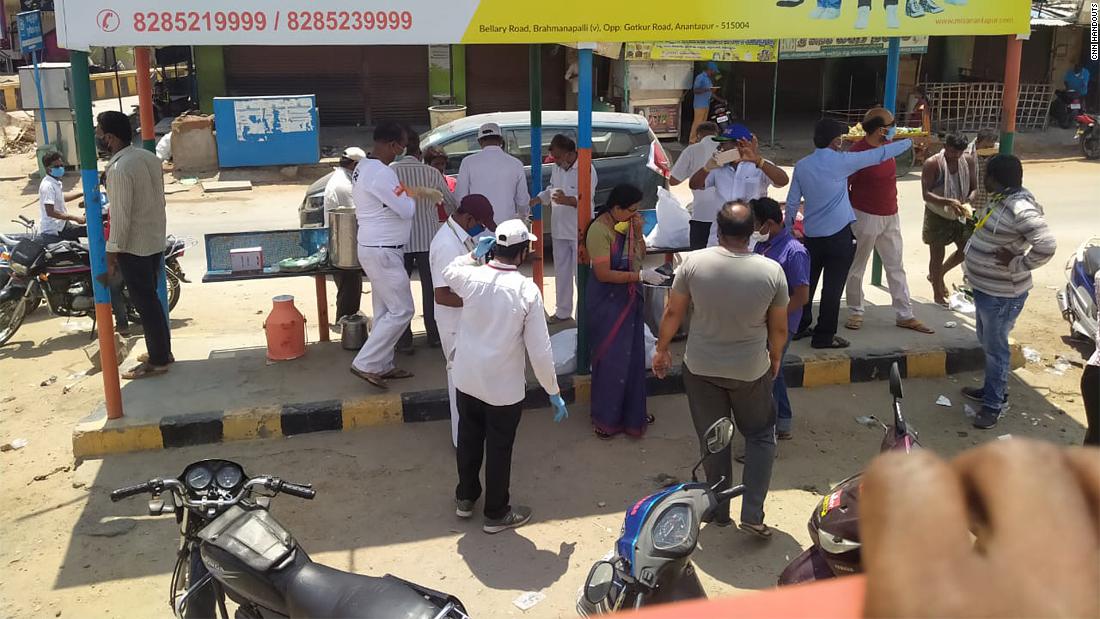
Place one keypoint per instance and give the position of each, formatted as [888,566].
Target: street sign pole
[41,103]
[29,25]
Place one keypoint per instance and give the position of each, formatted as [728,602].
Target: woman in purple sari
[613,303]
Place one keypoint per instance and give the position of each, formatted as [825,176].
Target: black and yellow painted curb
[98,437]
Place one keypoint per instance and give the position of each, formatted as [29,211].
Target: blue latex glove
[484,245]
[560,412]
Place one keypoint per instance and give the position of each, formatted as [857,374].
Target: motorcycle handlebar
[731,493]
[304,491]
[122,493]
[299,490]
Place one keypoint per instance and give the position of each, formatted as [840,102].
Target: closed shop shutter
[497,78]
[397,83]
[354,85]
[332,73]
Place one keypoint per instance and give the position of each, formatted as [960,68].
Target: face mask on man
[476,230]
[57,171]
[759,237]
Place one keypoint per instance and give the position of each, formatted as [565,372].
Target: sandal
[760,530]
[915,325]
[837,342]
[373,379]
[783,436]
[144,358]
[650,420]
[603,436]
[144,370]
[397,374]
[855,321]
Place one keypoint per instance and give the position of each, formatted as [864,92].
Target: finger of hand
[913,505]
[1024,497]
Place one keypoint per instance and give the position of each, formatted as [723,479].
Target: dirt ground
[384,493]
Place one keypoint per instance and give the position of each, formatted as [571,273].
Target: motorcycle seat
[317,590]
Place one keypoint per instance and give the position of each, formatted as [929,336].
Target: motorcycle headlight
[673,527]
[19,269]
[835,544]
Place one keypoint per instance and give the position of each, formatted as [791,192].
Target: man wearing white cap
[349,282]
[494,174]
[502,316]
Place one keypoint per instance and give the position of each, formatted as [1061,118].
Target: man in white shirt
[384,210]
[502,316]
[455,238]
[349,282]
[744,179]
[494,174]
[704,205]
[55,223]
[563,194]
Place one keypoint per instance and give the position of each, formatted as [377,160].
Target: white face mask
[758,237]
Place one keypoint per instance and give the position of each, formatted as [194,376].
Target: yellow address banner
[507,21]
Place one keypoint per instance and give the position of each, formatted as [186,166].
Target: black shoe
[515,518]
[977,394]
[987,418]
[803,334]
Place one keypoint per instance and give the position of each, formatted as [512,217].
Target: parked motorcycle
[720,115]
[7,243]
[1078,299]
[834,525]
[1066,106]
[232,547]
[651,562]
[1088,135]
[62,274]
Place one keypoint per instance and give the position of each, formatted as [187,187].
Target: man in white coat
[384,209]
[494,174]
[456,237]
[564,195]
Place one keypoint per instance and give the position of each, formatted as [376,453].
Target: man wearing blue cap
[737,172]
[704,89]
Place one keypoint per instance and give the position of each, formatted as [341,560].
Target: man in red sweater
[874,195]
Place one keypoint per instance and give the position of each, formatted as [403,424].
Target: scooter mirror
[719,435]
[599,582]
[895,380]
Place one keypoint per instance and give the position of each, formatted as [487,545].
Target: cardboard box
[246,259]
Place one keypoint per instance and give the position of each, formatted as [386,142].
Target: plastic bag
[672,230]
[650,346]
[563,344]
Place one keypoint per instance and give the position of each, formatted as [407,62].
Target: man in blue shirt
[774,240]
[822,179]
[1077,79]
[704,90]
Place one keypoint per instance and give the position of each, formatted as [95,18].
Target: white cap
[513,232]
[489,130]
[354,153]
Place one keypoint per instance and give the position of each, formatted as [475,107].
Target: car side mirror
[599,582]
[895,381]
[719,435]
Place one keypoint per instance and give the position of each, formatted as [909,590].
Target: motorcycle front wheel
[12,314]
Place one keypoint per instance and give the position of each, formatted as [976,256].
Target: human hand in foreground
[662,363]
[1003,256]
[1034,508]
[560,412]
[484,246]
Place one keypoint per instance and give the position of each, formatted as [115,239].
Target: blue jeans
[829,4]
[784,416]
[995,317]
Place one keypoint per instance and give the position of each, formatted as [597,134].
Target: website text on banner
[83,23]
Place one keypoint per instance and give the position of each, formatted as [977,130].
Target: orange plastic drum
[286,330]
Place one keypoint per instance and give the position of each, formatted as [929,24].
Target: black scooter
[651,563]
[231,546]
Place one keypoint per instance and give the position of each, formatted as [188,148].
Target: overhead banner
[763,50]
[84,23]
[793,49]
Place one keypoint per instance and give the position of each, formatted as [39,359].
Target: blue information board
[29,24]
[259,131]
